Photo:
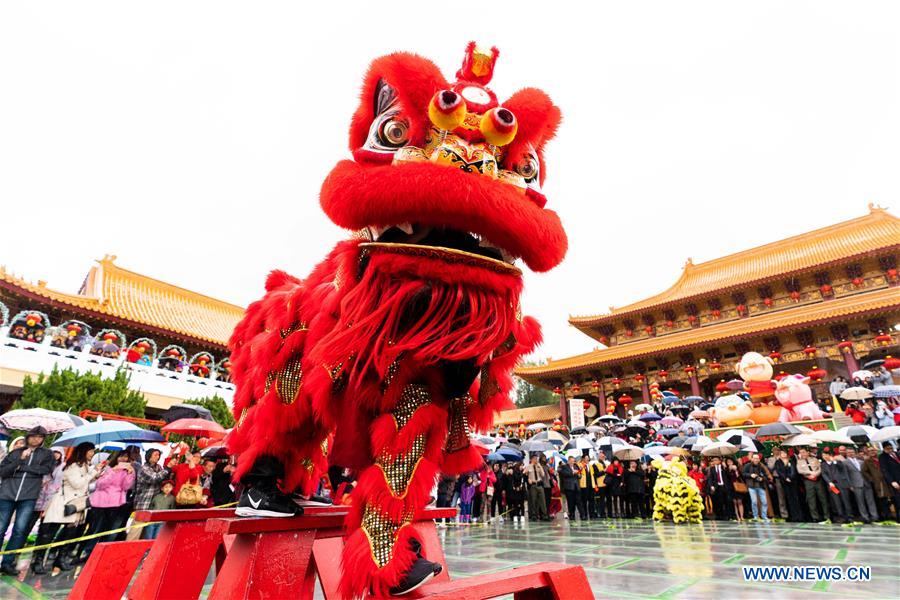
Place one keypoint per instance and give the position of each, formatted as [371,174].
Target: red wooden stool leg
[109,570]
[274,565]
[178,563]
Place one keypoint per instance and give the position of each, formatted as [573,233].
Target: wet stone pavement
[640,559]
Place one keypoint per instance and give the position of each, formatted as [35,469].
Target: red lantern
[639,378]
[846,346]
[716,313]
[826,289]
[648,329]
[625,400]
[816,374]
[858,281]
[775,356]
[768,302]
[616,382]
[557,391]
[663,374]
[670,324]
[690,370]
[629,333]
[781,375]
[611,407]
[715,365]
[586,405]
[557,425]
[810,350]
[795,296]
[576,389]
[741,309]
[721,387]
[595,384]
[883,339]
[891,363]
[604,340]
[892,274]
[692,319]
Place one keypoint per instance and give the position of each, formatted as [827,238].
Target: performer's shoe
[421,572]
[258,502]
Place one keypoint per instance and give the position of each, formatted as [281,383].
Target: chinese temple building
[821,303]
[173,340]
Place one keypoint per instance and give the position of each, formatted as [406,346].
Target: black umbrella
[214,452]
[186,411]
[871,364]
[579,431]
[779,429]
[537,446]
[677,442]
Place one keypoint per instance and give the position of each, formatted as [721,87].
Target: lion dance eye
[499,126]
[394,133]
[528,168]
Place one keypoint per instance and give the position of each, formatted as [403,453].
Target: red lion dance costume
[405,336]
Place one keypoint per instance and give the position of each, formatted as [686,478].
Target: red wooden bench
[281,558]
[109,570]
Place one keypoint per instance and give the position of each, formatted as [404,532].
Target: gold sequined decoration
[488,388]
[288,380]
[270,379]
[458,437]
[391,373]
[243,416]
[301,326]
[398,470]
[382,533]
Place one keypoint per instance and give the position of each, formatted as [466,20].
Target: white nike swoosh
[255,504]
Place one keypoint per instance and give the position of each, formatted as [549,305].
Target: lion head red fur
[488,190]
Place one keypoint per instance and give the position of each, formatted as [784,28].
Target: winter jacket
[634,482]
[75,482]
[467,493]
[871,472]
[614,479]
[23,479]
[567,479]
[762,475]
[785,471]
[890,467]
[112,487]
[149,478]
[488,478]
[49,487]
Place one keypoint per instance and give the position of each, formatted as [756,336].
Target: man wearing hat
[21,476]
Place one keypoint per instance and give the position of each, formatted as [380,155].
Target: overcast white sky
[191,138]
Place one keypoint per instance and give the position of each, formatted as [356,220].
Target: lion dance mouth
[404,338]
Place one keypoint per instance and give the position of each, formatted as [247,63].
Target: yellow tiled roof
[113,291]
[532,414]
[801,316]
[875,231]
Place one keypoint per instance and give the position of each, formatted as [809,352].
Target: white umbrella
[611,441]
[832,437]
[719,449]
[536,426]
[805,429]
[580,443]
[628,452]
[665,451]
[606,419]
[888,433]
[857,393]
[24,419]
[553,436]
[858,433]
[862,375]
[636,423]
[701,442]
[692,425]
[596,429]
[643,407]
[801,439]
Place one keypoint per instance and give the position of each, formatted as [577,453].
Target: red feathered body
[404,337]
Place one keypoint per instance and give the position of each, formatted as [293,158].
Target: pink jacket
[111,488]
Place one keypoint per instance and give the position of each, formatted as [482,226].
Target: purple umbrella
[649,416]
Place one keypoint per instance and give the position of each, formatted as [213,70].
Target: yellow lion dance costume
[675,495]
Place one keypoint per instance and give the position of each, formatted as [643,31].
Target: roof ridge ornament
[874,207]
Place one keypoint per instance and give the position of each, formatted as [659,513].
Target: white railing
[34,358]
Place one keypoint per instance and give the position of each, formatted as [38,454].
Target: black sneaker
[256,502]
[9,570]
[421,572]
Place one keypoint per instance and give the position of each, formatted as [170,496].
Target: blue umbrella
[694,399]
[107,431]
[668,432]
[510,454]
[649,416]
[887,391]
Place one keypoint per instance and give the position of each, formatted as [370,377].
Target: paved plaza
[640,559]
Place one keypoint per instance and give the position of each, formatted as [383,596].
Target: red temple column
[645,392]
[850,360]
[564,409]
[695,385]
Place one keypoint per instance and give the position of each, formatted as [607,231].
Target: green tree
[528,394]
[220,411]
[68,391]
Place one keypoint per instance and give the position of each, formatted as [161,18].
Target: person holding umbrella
[21,478]
[718,487]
